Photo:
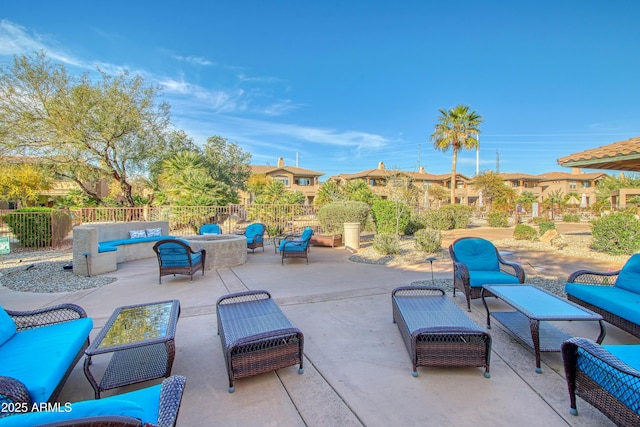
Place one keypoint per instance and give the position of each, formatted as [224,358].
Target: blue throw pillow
[629,277]
[7,327]
[154,232]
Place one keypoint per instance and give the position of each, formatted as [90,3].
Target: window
[283,178]
[459,184]
[586,184]
[427,185]
[302,181]
[573,185]
[397,182]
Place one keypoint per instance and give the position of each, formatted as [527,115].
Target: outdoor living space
[356,367]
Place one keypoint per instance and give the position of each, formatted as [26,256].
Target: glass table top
[139,323]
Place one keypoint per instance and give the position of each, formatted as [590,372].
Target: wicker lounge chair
[151,406]
[255,236]
[436,332]
[177,257]
[256,336]
[476,262]
[607,377]
[294,246]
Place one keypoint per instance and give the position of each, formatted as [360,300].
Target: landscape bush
[616,234]
[546,226]
[332,216]
[386,244]
[448,217]
[498,219]
[571,218]
[428,240]
[525,232]
[390,217]
[33,227]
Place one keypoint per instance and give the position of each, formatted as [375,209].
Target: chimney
[576,171]
[280,162]
[421,169]
[381,166]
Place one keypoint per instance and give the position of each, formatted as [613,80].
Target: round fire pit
[223,250]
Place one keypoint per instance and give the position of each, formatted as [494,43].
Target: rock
[548,236]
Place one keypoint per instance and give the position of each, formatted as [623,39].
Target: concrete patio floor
[357,369]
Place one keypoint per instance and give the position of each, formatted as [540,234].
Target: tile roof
[622,155]
[292,169]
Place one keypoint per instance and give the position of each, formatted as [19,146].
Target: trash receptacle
[352,235]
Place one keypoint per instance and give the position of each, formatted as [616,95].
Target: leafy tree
[555,198]
[457,129]
[23,182]
[438,193]
[358,191]
[329,192]
[257,183]
[491,185]
[111,127]
[227,163]
[185,181]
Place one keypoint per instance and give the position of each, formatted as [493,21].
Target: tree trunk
[453,176]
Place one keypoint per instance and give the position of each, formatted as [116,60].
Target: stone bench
[98,248]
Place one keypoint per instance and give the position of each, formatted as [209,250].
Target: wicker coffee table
[535,308]
[141,338]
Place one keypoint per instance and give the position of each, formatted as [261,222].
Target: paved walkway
[357,369]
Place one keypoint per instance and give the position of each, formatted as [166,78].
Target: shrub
[33,226]
[428,240]
[525,232]
[571,218]
[448,217]
[538,219]
[332,216]
[616,234]
[498,219]
[390,217]
[546,226]
[386,244]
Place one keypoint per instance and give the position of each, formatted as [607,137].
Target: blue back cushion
[477,254]
[629,277]
[173,255]
[7,327]
[307,233]
[210,229]
[254,233]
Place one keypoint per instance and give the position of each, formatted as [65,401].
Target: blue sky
[338,86]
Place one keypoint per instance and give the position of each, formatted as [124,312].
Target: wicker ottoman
[436,332]
[256,336]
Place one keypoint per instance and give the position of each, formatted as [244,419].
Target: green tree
[23,182]
[227,163]
[358,191]
[110,127]
[329,192]
[437,193]
[456,129]
[185,181]
[491,185]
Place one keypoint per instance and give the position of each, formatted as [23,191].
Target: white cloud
[197,60]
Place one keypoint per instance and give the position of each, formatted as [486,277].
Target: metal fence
[54,229]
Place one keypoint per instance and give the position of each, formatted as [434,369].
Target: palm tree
[457,129]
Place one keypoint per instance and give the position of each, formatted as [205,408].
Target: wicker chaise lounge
[436,332]
[256,336]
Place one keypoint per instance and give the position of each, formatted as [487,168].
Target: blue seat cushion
[610,298]
[254,233]
[210,229]
[479,278]
[40,357]
[140,404]
[307,233]
[112,245]
[477,254]
[622,386]
[292,246]
[629,276]
[7,327]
